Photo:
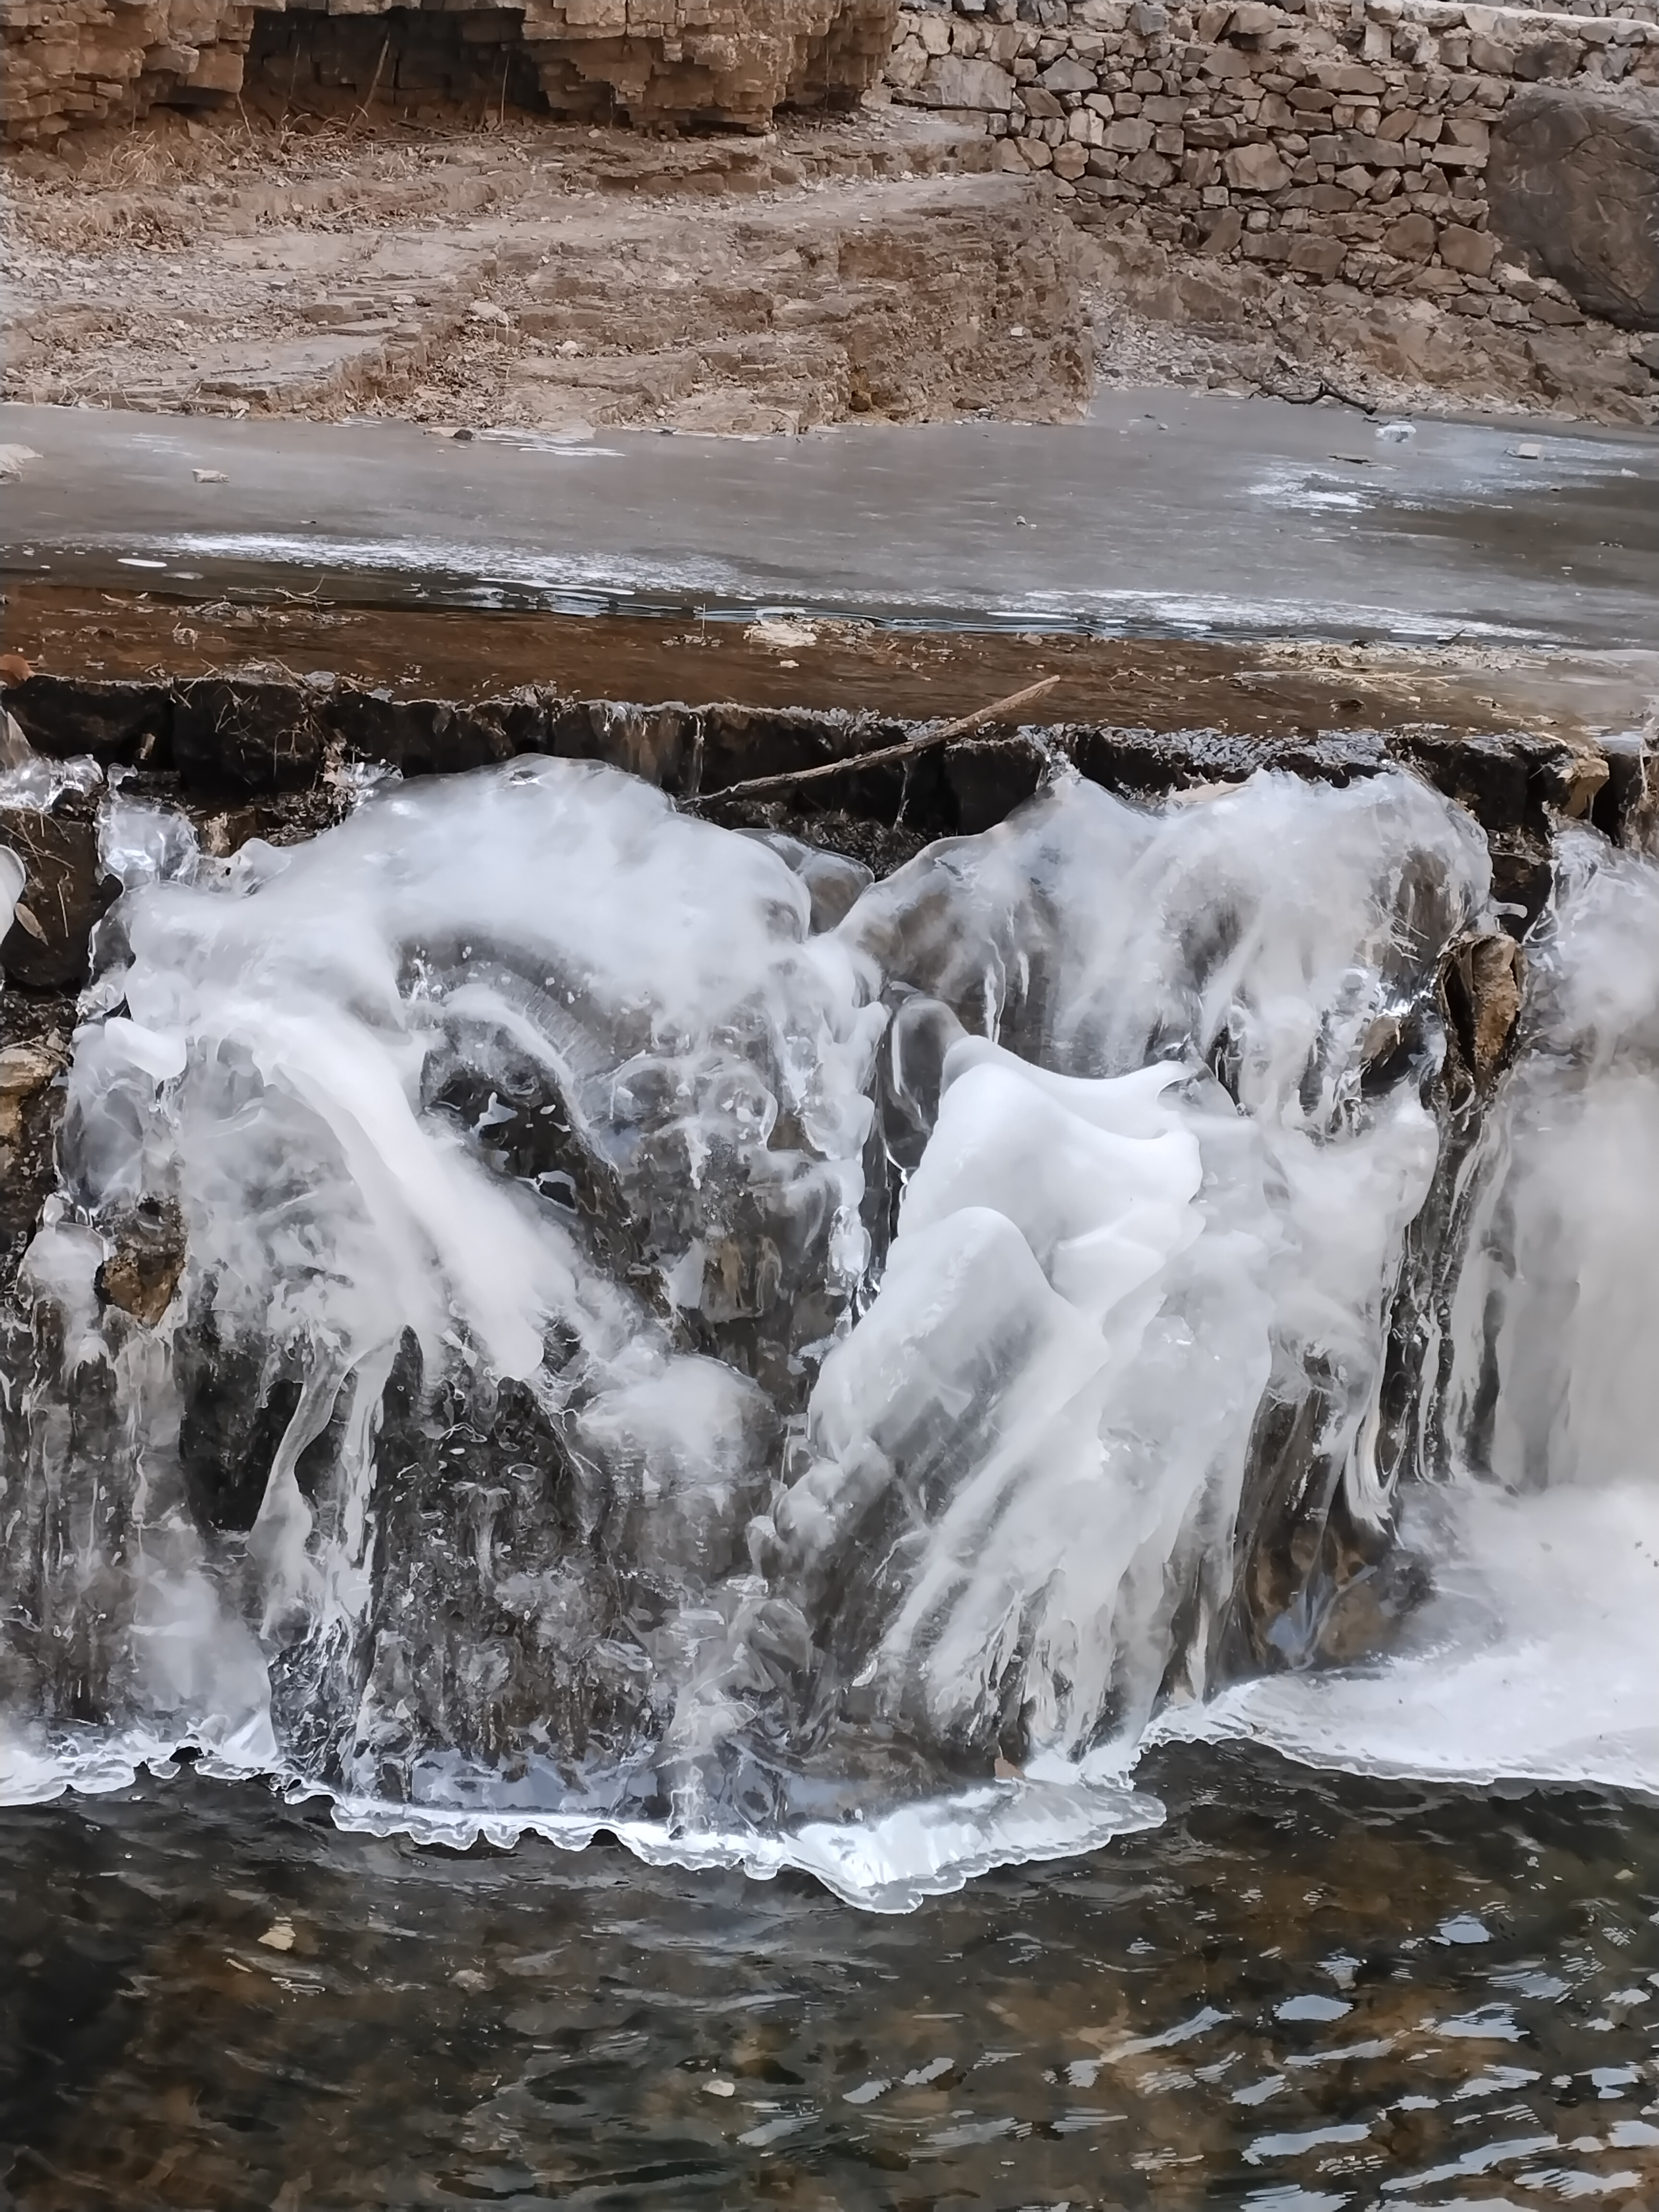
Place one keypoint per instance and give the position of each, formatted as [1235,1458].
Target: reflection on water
[1301,1995]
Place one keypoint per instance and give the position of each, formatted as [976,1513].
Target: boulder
[1574,186]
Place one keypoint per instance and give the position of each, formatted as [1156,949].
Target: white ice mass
[672,1336]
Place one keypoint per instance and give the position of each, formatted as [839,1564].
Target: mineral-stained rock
[29,1109]
[1480,997]
[142,1271]
[25,1072]
[1574,183]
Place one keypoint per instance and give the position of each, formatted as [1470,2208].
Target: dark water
[1301,1995]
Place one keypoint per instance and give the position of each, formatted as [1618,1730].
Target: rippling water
[1303,1994]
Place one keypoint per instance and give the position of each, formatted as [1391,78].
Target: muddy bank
[546,276]
[1263,688]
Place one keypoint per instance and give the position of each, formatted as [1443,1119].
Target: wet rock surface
[64,892]
[146,1261]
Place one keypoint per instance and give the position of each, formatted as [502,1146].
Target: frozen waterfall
[638,1327]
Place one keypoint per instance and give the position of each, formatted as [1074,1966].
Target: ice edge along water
[678,1339]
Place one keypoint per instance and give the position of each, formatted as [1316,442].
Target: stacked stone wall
[1341,139]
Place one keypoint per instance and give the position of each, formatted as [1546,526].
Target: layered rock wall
[70,63]
[1345,139]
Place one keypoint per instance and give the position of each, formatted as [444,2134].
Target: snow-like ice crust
[678,1339]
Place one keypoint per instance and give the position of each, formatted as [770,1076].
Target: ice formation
[667,1334]
[1537,1655]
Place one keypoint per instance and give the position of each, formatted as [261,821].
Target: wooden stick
[995,712]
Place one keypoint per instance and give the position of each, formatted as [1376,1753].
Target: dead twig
[999,711]
[360,114]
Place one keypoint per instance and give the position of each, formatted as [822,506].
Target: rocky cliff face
[70,63]
[1574,184]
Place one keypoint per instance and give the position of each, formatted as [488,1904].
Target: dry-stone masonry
[70,63]
[1347,139]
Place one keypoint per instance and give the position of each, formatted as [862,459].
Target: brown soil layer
[1265,689]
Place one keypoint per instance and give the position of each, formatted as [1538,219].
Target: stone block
[1222,231]
[1474,251]
[1129,134]
[1317,257]
[1411,239]
[1066,75]
[982,86]
[1255,169]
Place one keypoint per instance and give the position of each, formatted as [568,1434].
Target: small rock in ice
[1526,453]
[717,2087]
[1395,434]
